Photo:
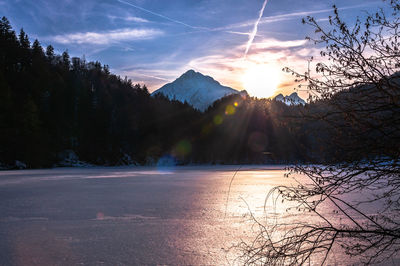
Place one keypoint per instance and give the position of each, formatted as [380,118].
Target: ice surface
[133,215]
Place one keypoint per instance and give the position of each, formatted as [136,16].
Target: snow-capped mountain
[292,99]
[196,89]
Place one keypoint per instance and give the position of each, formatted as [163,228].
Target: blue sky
[154,41]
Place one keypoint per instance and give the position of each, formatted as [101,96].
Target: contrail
[160,15]
[288,16]
[254,32]
[203,29]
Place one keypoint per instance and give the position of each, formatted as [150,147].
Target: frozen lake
[118,216]
[125,216]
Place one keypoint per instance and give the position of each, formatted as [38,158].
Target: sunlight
[262,80]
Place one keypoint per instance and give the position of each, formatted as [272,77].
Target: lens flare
[230,110]
[218,120]
[183,148]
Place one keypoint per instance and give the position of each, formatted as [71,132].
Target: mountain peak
[292,99]
[190,72]
[198,90]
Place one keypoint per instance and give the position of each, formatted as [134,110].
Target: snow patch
[70,159]
[127,160]
[20,165]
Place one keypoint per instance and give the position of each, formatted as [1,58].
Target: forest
[56,110]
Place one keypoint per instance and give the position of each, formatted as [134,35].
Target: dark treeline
[52,103]
[52,106]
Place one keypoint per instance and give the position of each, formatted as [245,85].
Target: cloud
[136,19]
[130,19]
[269,44]
[263,50]
[108,37]
[152,78]
[238,32]
[149,76]
[229,67]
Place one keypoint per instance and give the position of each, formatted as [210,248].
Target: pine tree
[23,40]
[37,48]
[50,53]
[65,59]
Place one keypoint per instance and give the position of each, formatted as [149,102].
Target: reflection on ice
[140,215]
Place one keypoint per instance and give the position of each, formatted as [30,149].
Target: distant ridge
[292,99]
[196,89]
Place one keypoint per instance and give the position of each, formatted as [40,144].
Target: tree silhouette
[355,97]
[53,105]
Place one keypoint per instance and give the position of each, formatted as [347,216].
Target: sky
[243,44]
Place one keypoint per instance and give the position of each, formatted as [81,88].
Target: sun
[262,81]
